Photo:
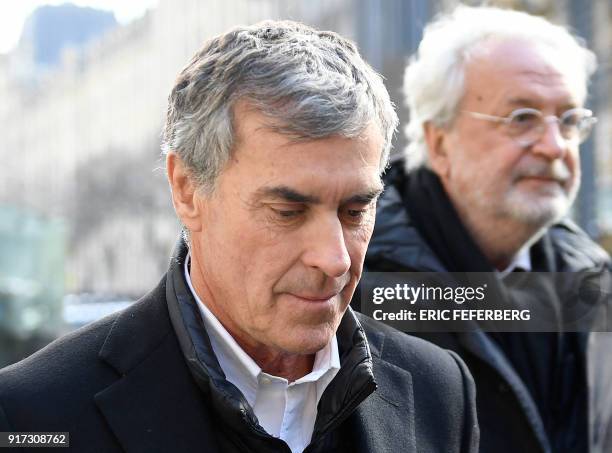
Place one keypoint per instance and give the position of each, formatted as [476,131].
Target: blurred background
[86,222]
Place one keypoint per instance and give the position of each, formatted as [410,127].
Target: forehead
[335,165]
[521,72]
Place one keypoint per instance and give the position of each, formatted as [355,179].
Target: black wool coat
[123,384]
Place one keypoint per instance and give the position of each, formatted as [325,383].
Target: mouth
[538,172]
[543,179]
[315,298]
[542,187]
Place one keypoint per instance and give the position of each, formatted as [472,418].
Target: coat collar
[154,405]
[375,425]
[352,384]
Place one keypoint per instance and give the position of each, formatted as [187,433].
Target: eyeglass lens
[528,126]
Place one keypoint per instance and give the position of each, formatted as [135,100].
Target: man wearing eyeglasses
[497,116]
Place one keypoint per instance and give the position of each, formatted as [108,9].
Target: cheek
[502,170]
[573,162]
[498,166]
[357,244]
[266,264]
[484,156]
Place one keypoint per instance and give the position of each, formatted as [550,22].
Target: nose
[551,144]
[326,248]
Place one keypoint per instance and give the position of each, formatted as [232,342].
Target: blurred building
[49,29]
[81,142]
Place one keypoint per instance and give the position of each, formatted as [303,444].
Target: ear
[436,139]
[185,197]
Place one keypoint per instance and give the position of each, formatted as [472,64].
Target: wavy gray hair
[314,84]
[434,78]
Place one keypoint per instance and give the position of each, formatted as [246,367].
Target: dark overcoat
[129,383]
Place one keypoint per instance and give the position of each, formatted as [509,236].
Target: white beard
[538,210]
[547,204]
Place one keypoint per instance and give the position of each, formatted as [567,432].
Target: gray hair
[314,84]
[434,78]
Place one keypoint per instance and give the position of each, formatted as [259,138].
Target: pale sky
[13,14]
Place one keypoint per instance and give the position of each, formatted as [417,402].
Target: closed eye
[356,212]
[287,210]
[288,213]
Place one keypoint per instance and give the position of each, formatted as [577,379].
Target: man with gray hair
[496,101]
[275,139]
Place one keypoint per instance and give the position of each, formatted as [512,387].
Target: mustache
[556,170]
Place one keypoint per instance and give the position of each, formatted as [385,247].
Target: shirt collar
[241,370]
[522,260]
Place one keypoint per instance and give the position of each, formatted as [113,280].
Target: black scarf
[437,220]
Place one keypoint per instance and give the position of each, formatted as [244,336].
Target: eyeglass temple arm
[484,116]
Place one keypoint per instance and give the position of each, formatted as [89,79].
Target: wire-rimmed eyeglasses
[526,125]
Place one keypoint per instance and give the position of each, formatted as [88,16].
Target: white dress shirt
[286,410]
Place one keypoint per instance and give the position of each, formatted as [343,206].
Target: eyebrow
[287,194]
[522,102]
[293,196]
[364,198]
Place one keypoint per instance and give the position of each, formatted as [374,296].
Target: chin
[537,210]
[307,340]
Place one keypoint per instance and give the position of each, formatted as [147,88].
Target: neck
[500,239]
[288,366]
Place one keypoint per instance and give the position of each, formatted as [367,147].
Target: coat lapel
[155,406]
[385,422]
